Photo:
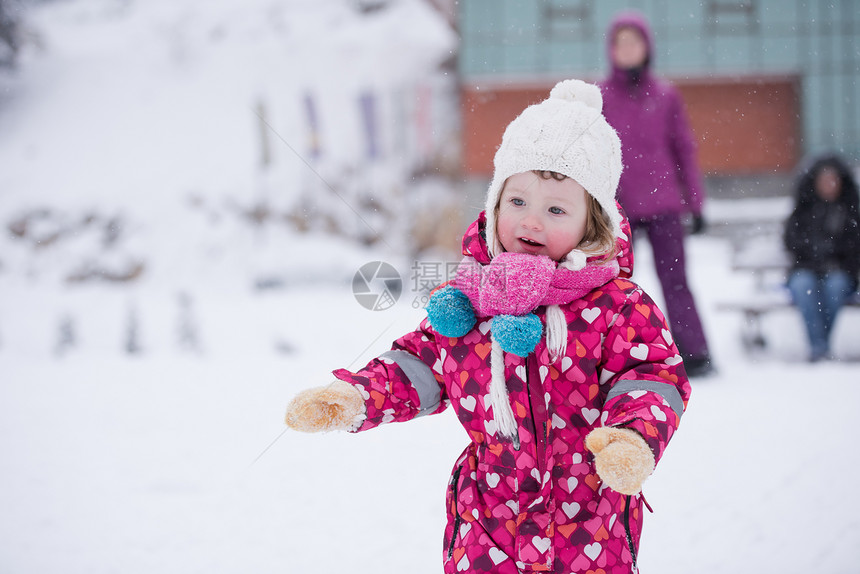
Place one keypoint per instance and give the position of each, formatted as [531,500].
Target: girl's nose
[531,221]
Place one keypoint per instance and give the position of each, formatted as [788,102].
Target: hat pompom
[578,91]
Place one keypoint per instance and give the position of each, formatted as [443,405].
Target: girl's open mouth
[530,242]
[530,245]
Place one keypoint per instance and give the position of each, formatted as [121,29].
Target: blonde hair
[598,240]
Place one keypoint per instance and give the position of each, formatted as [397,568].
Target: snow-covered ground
[174,459]
[166,463]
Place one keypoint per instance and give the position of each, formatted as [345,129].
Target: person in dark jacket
[661,179]
[822,235]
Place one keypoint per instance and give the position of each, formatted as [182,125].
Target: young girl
[562,371]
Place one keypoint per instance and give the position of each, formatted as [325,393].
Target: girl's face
[629,49]
[541,216]
[827,184]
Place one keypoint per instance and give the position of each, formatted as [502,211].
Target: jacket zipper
[627,531]
[457,518]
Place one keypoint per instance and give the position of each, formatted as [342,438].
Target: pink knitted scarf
[518,283]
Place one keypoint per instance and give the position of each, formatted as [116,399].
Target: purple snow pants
[666,235]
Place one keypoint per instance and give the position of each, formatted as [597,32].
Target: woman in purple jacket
[661,179]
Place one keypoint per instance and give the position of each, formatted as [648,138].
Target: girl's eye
[517,201]
[556,210]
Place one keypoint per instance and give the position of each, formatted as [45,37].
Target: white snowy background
[130,135]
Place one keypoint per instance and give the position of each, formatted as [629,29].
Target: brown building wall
[486,114]
[743,126]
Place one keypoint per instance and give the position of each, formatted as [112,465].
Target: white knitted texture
[574,260]
[578,91]
[556,324]
[503,414]
[567,134]
[556,332]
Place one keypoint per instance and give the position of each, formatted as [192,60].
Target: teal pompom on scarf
[450,312]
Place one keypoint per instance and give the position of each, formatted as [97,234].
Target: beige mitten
[622,457]
[338,406]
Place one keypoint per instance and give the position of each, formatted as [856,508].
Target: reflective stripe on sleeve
[666,390]
[420,376]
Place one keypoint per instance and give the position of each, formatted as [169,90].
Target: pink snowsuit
[542,507]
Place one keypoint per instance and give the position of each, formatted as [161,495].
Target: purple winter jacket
[661,174]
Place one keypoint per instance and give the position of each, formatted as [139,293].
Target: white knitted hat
[567,134]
